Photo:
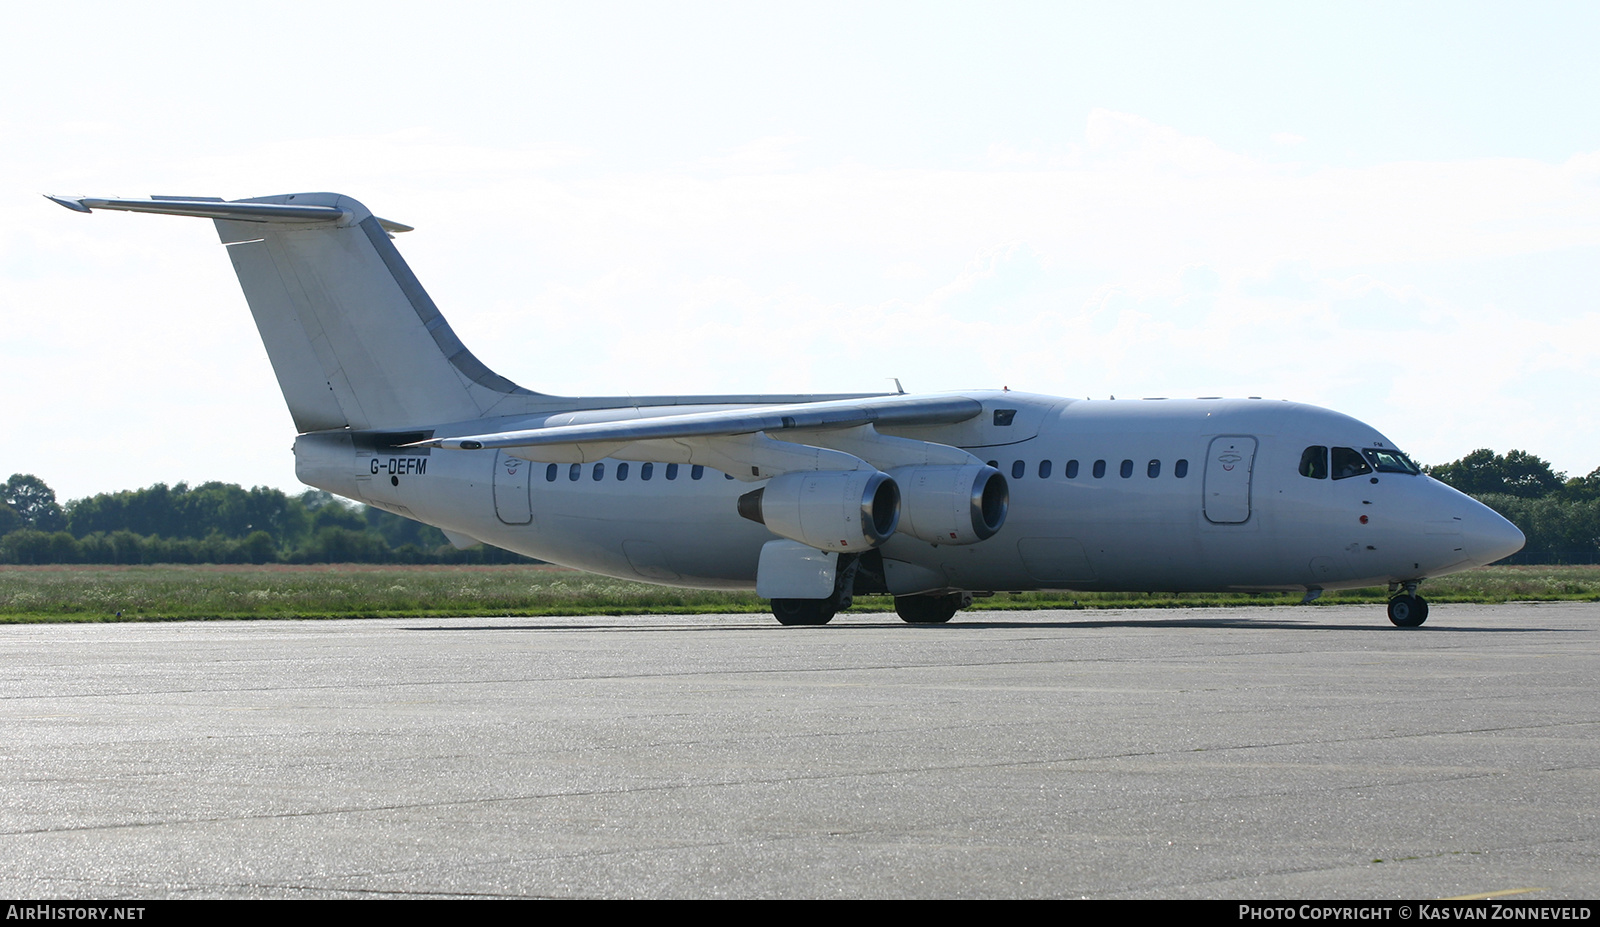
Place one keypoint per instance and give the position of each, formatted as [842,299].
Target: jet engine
[952,505]
[837,510]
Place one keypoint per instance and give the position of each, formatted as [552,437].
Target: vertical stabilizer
[354,339]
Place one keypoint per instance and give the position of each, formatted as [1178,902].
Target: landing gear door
[511,502]
[1227,489]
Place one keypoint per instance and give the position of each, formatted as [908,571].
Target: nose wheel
[1408,610]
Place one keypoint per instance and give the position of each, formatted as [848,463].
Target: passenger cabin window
[551,472]
[1153,469]
[1072,469]
[1099,469]
[1044,469]
[696,471]
[1348,463]
[1017,469]
[1314,462]
[574,472]
[1180,469]
[599,472]
[622,471]
[1127,469]
[646,470]
[672,471]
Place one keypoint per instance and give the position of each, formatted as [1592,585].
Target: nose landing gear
[1408,610]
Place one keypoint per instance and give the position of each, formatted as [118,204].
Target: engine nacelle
[952,505]
[839,510]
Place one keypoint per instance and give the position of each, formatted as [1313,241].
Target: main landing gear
[1408,610]
[804,611]
[913,609]
[821,611]
[930,609]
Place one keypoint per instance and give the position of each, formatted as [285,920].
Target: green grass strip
[189,593]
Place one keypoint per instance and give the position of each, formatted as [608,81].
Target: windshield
[1385,461]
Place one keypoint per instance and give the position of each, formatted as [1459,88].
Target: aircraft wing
[831,415]
[751,443]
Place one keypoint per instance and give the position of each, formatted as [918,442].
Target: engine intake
[839,510]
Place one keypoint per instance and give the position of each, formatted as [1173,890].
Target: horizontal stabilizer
[205,208]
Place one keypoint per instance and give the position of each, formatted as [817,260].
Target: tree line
[214,523]
[1559,516]
[226,523]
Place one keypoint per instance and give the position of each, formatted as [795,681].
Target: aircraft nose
[1488,536]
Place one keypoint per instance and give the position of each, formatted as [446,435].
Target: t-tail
[356,342]
[354,339]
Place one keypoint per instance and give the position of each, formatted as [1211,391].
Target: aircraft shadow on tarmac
[873,622]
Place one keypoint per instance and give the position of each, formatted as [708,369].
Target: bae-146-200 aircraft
[814,499]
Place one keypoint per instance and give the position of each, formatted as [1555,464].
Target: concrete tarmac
[1243,753]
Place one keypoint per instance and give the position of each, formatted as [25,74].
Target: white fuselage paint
[1241,518]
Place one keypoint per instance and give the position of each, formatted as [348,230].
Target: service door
[511,503]
[1228,466]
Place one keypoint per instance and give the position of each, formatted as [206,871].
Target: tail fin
[353,337]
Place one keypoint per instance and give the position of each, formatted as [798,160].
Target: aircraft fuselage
[1169,495]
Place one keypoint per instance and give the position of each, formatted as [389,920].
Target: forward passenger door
[1229,462]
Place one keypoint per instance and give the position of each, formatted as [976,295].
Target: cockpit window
[1347,463]
[1314,462]
[1385,461]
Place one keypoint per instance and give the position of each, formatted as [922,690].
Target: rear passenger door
[512,502]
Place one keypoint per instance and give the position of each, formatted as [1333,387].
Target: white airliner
[813,499]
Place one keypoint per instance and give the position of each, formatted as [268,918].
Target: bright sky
[1392,210]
